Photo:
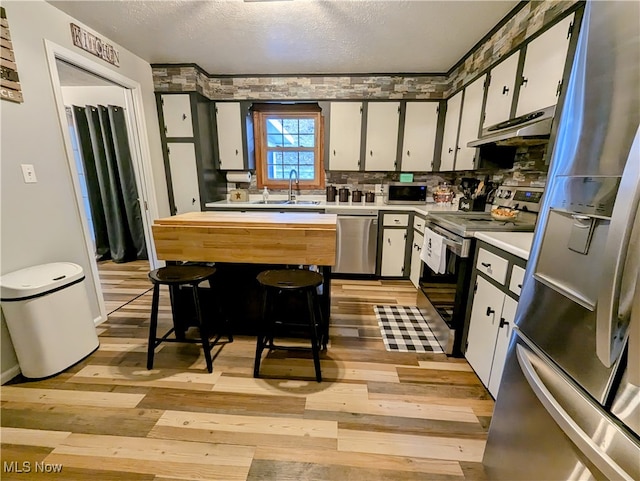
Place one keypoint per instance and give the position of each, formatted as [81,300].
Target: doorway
[86,90]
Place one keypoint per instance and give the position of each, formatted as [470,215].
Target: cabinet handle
[334,151]
[371,153]
[184,116]
[408,154]
[519,286]
[524,81]
[389,240]
[486,264]
[450,150]
[490,311]
[458,148]
[236,151]
[505,90]
[193,201]
[503,323]
[397,221]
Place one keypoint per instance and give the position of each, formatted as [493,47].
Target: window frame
[296,111]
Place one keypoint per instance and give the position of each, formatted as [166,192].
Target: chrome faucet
[291,174]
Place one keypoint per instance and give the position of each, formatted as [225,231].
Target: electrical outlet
[29,173]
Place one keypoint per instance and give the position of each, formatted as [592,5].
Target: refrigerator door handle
[573,431]
[610,328]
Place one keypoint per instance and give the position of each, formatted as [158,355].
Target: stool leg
[315,345]
[204,332]
[324,336]
[153,325]
[261,334]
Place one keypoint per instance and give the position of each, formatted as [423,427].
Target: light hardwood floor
[377,415]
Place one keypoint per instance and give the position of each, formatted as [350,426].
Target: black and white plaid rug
[404,329]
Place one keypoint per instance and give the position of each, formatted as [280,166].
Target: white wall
[82,96]
[40,222]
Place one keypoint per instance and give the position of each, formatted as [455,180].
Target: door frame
[139,145]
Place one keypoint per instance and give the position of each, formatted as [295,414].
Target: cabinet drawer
[418,224]
[400,220]
[492,265]
[517,276]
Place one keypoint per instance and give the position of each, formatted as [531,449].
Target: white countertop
[516,243]
[423,208]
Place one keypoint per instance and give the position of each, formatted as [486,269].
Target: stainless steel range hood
[529,129]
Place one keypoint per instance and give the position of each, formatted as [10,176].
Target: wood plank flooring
[377,415]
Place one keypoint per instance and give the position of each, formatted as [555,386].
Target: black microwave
[405,193]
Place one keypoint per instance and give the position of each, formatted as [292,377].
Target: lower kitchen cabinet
[184,177]
[394,258]
[493,310]
[416,262]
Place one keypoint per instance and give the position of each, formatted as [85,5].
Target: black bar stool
[275,283]
[174,277]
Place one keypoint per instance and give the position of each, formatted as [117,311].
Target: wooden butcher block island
[248,237]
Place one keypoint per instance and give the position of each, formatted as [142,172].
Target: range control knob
[507,195]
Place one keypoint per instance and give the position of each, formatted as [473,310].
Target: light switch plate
[29,173]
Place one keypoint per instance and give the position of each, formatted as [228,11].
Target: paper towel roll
[239,177]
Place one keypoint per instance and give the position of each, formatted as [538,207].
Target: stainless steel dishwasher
[357,241]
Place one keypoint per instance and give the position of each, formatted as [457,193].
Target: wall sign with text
[94,45]
[9,82]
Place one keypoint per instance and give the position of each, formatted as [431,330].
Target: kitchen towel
[239,177]
[434,251]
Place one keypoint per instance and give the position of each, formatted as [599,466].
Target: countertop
[516,243]
[422,208]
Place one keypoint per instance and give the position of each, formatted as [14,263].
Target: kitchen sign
[94,45]
[9,82]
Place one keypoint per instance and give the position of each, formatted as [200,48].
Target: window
[289,137]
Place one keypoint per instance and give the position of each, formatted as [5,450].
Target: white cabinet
[231,154]
[383,122]
[483,328]
[450,136]
[420,126]
[393,252]
[184,176]
[416,262]
[544,62]
[345,130]
[470,124]
[505,326]
[176,112]
[500,91]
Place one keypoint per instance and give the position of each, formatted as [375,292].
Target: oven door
[442,298]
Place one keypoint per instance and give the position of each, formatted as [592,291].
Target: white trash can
[49,317]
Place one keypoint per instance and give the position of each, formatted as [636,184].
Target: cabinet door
[450,136]
[502,344]
[383,121]
[500,91]
[345,130]
[420,126]
[184,177]
[544,63]
[229,125]
[483,328]
[176,110]
[393,249]
[416,262]
[470,124]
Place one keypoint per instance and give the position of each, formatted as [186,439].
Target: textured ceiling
[295,36]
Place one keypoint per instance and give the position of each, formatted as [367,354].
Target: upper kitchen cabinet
[383,121]
[419,137]
[176,111]
[186,133]
[450,136]
[345,133]
[544,62]
[235,136]
[502,80]
[470,124]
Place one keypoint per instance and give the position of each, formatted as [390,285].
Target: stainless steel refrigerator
[569,403]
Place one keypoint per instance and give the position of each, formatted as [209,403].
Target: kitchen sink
[304,202]
[270,202]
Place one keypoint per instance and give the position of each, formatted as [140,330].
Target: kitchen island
[243,243]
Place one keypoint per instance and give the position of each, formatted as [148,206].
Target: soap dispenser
[265,194]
